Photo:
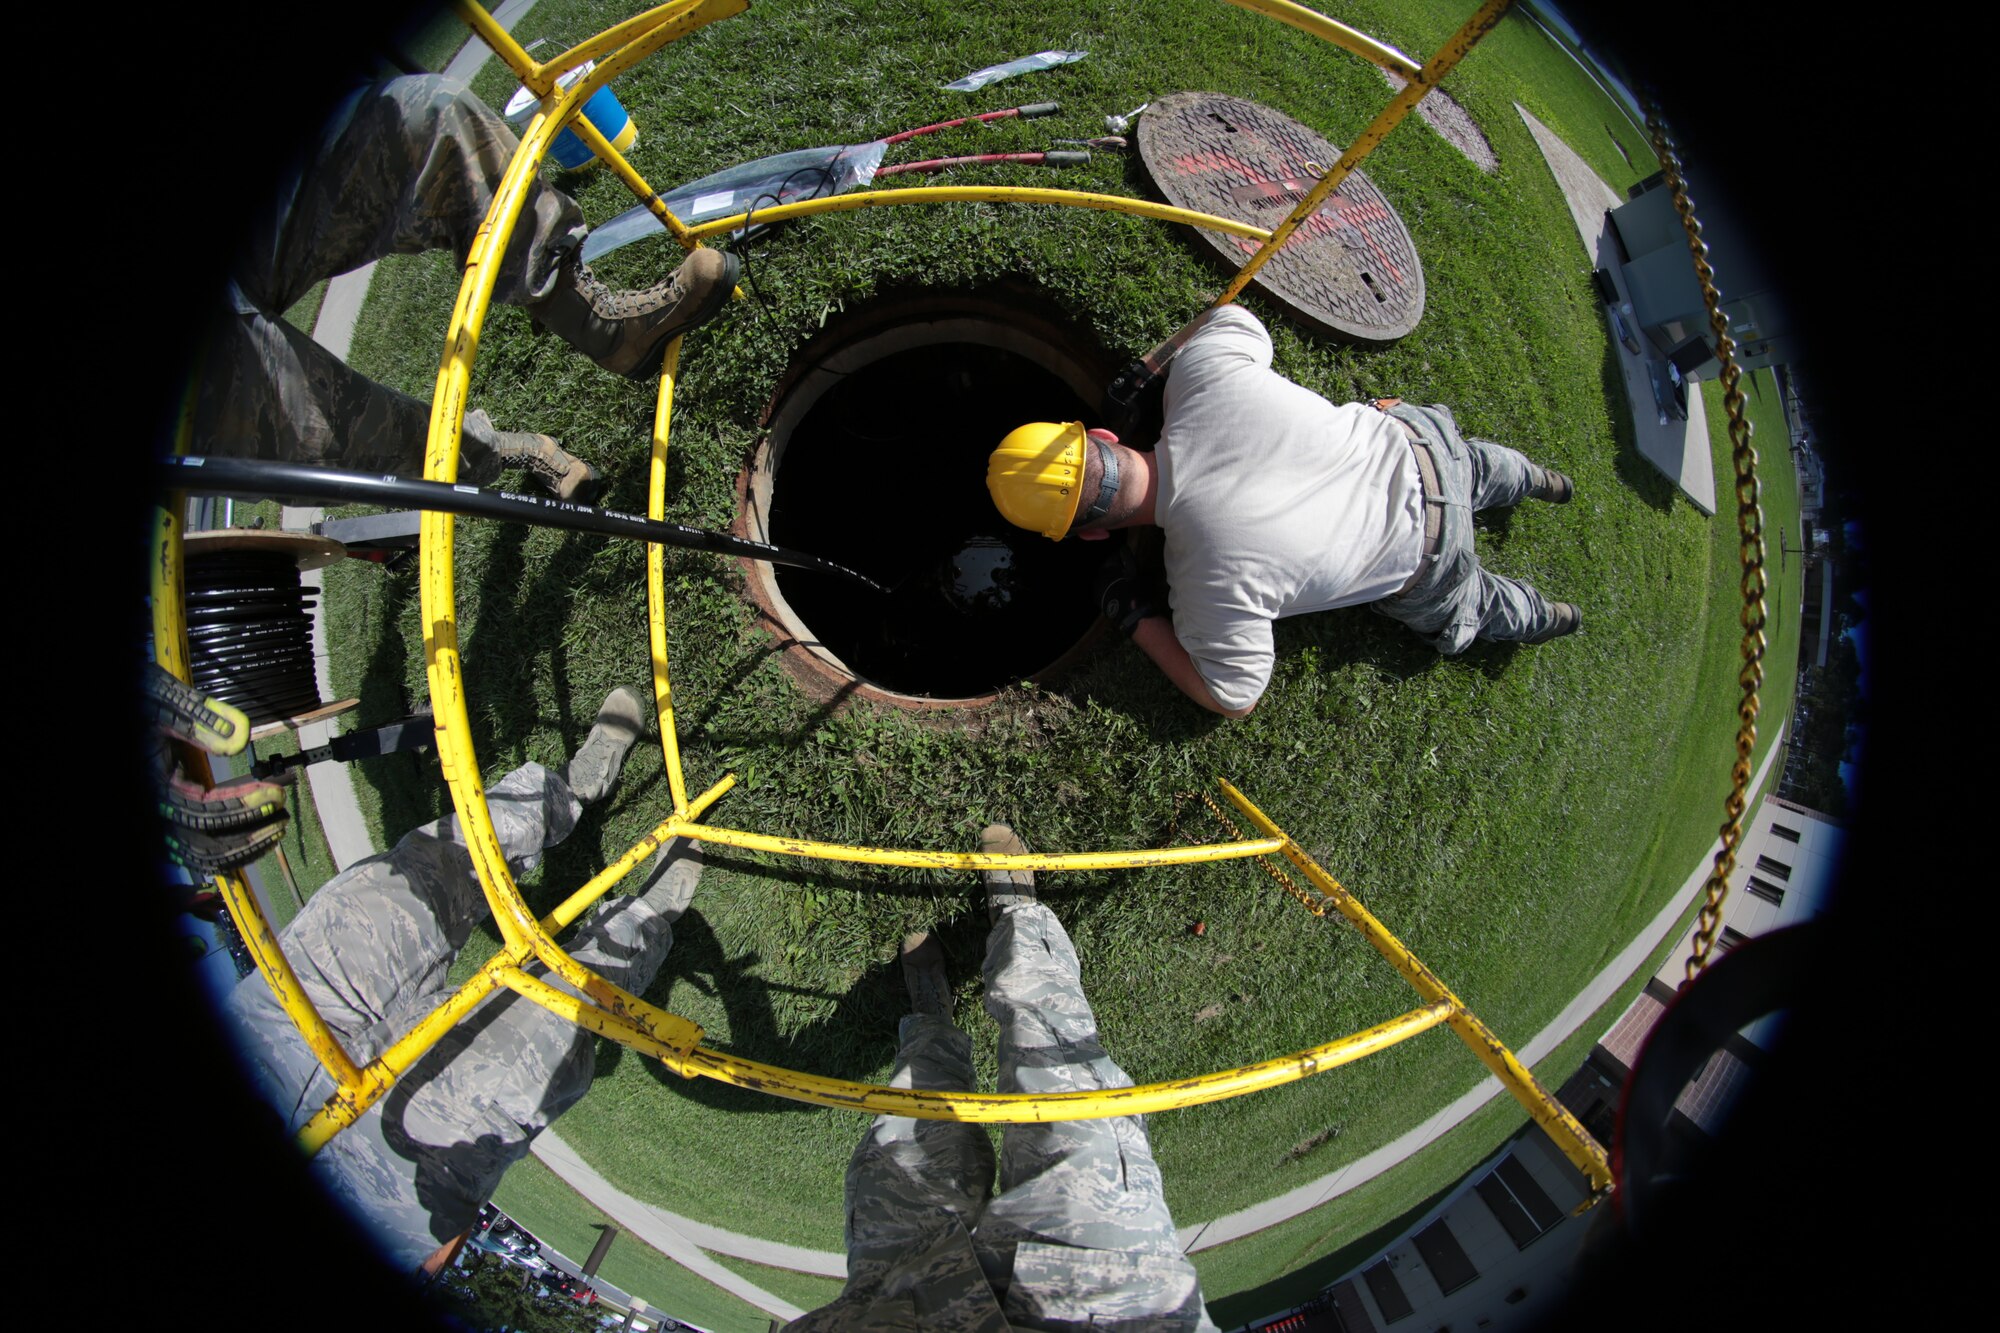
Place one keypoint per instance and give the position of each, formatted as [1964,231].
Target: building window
[1731,937]
[1770,867]
[1518,1203]
[1788,834]
[1769,892]
[1445,1257]
[1387,1291]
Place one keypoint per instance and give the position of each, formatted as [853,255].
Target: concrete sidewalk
[1679,449]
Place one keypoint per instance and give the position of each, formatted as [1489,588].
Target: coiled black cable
[249,629]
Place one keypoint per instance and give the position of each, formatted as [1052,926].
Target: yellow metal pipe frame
[1093,1104]
[979,194]
[1337,34]
[915,857]
[606,1009]
[656,582]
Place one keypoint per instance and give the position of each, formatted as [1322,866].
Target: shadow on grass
[1640,476]
[858,1034]
[407,785]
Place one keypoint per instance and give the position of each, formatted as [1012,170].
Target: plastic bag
[1025,65]
[807,173]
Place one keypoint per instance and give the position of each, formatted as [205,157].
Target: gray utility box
[1666,295]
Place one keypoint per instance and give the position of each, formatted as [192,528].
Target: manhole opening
[875,457]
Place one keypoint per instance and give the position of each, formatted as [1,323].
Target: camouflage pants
[1078,1236]
[1457,600]
[372,951]
[404,166]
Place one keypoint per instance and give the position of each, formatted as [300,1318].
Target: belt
[1433,493]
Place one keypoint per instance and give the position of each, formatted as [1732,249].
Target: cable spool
[249,623]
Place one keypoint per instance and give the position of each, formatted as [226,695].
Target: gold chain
[1750,531]
[1313,902]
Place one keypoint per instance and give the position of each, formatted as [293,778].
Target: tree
[488,1294]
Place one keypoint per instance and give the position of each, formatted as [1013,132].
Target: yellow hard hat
[1036,476]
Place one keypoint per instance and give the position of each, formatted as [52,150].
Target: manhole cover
[1351,269]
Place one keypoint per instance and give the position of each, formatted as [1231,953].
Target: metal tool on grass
[1028,112]
[1120,124]
[1111,143]
[1057,158]
[204,475]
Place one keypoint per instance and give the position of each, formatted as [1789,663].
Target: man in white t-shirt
[1275,502]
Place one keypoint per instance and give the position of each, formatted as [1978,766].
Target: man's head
[1057,479]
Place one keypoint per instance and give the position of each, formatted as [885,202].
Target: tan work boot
[1553,487]
[1004,888]
[1568,619]
[923,975]
[594,769]
[560,473]
[625,331]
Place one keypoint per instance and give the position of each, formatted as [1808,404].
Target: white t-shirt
[1274,502]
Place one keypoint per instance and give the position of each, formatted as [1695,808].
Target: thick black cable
[204,475]
[249,634]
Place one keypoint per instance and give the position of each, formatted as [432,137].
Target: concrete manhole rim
[1011,317]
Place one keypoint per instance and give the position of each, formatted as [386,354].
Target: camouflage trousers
[404,166]
[1078,1236]
[1456,600]
[372,951]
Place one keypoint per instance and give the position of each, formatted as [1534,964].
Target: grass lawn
[1515,815]
[304,844]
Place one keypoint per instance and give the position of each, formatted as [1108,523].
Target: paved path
[332,788]
[1679,449]
[669,1234]
[684,1239]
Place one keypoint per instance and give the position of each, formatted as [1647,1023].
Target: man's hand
[209,829]
[1126,593]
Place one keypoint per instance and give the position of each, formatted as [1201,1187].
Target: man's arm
[1155,636]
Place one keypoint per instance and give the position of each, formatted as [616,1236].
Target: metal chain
[1750,550]
[1313,902]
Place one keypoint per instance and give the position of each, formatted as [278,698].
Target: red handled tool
[1056,159]
[1022,112]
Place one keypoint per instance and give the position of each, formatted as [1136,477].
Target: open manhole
[875,457]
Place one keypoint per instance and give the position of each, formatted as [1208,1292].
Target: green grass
[306,313]
[1515,815]
[304,842]
[564,1220]
[808,1291]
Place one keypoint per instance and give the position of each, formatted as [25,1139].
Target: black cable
[202,475]
[249,633]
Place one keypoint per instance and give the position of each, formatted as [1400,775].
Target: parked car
[575,1288]
[516,1254]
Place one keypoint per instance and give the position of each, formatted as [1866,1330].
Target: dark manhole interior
[886,473]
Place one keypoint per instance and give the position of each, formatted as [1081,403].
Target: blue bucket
[603,110]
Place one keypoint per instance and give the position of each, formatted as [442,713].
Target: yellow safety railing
[605,1008]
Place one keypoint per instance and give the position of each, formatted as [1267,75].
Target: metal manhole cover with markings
[1351,269]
